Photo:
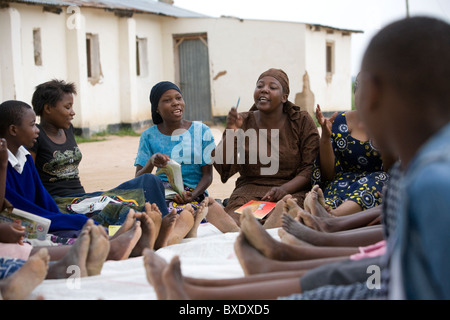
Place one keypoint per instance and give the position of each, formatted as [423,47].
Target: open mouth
[178,112]
[263,99]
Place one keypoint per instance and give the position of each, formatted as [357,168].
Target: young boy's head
[405,83]
[49,93]
[18,124]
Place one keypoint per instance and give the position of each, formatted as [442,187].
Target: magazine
[36,227]
[173,172]
[260,208]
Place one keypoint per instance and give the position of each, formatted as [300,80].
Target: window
[329,61]
[330,57]
[94,70]
[37,47]
[141,57]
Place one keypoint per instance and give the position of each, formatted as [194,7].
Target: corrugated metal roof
[141,6]
[41,2]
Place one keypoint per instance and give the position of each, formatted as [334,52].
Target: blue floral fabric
[359,174]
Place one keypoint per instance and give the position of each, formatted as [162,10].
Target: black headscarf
[156,93]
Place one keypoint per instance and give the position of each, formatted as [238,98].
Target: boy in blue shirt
[405,108]
[24,188]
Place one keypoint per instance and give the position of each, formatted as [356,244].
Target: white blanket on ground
[209,256]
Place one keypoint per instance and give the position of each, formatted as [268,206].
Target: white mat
[209,256]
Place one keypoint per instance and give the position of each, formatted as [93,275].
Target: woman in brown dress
[275,148]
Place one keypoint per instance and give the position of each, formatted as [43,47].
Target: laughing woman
[295,150]
[172,137]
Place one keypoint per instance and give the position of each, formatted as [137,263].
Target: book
[173,172]
[36,227]
[260,208]
[112,229]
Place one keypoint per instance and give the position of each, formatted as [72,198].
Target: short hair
[413,54]
[11,113]
[50,93]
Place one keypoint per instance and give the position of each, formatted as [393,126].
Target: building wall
[239,51]
[20,75]
[335,93]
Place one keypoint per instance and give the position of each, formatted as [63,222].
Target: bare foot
[155,214]
[154,267]
[311,221]
[290,239]
[77,256]
[218,217]
[200,214]
[321,198]
[312,205]
[98,250]
[274,219]
[303,232]
[19,285]
[183,225]
[173,280]
[292,208]
[250,259]
[128,223]
[148,237]
[257,236]
[167,226]
[122,245]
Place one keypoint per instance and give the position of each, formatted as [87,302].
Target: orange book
[260,208]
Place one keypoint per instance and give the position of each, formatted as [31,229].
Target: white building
[116,50]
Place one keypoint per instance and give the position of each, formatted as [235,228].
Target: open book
[173,172]
[260,208]
[36,227]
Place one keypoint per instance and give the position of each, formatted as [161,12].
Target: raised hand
[234,119]
[325,123]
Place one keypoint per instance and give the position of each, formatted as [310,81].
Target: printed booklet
[36,227]
[173,172]
[260,208]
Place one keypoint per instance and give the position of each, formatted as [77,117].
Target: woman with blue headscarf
[172,137]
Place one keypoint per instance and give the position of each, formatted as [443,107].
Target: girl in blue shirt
[172,137]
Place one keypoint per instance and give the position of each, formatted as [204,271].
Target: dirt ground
[106,164]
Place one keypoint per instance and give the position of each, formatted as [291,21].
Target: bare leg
[219,218]
[266,244]
[319,220]
[169,283]
[351,238]
[20,284]
[288,238]
[346,208]
[254,262]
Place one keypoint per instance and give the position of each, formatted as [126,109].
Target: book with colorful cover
[173,172]
[260,208]
[36,227]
